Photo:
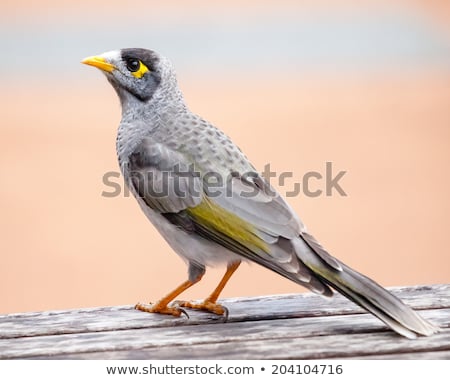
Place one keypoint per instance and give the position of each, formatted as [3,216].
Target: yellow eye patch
[139,73]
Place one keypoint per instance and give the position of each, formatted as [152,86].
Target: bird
[212,206]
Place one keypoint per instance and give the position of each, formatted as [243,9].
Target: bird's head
[136,74]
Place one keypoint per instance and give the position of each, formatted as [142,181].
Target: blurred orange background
[365,85]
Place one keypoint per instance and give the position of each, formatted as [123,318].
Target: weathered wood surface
[296,326]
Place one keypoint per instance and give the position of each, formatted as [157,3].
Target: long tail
[362,290]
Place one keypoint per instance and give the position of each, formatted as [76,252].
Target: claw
[184,312]
[226,313]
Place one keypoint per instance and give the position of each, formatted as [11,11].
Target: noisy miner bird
[207,200]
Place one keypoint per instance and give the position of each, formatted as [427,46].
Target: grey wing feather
[253,200]
[163,178]
[320,251]
[258,203]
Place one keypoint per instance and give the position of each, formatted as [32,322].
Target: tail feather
[366,293]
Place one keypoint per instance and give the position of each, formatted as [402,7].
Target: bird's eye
[136,67]
[133,64]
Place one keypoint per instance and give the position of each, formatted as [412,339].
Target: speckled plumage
[177,128]
[162,145]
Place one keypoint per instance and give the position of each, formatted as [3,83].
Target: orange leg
[209,304]
[162,307]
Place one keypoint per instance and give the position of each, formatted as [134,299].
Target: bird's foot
[206,305]
[161,309]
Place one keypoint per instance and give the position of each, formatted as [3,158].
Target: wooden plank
[317,347]
[248,309]
[179,342]
[300,326]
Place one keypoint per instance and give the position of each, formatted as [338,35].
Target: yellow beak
[99,62]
